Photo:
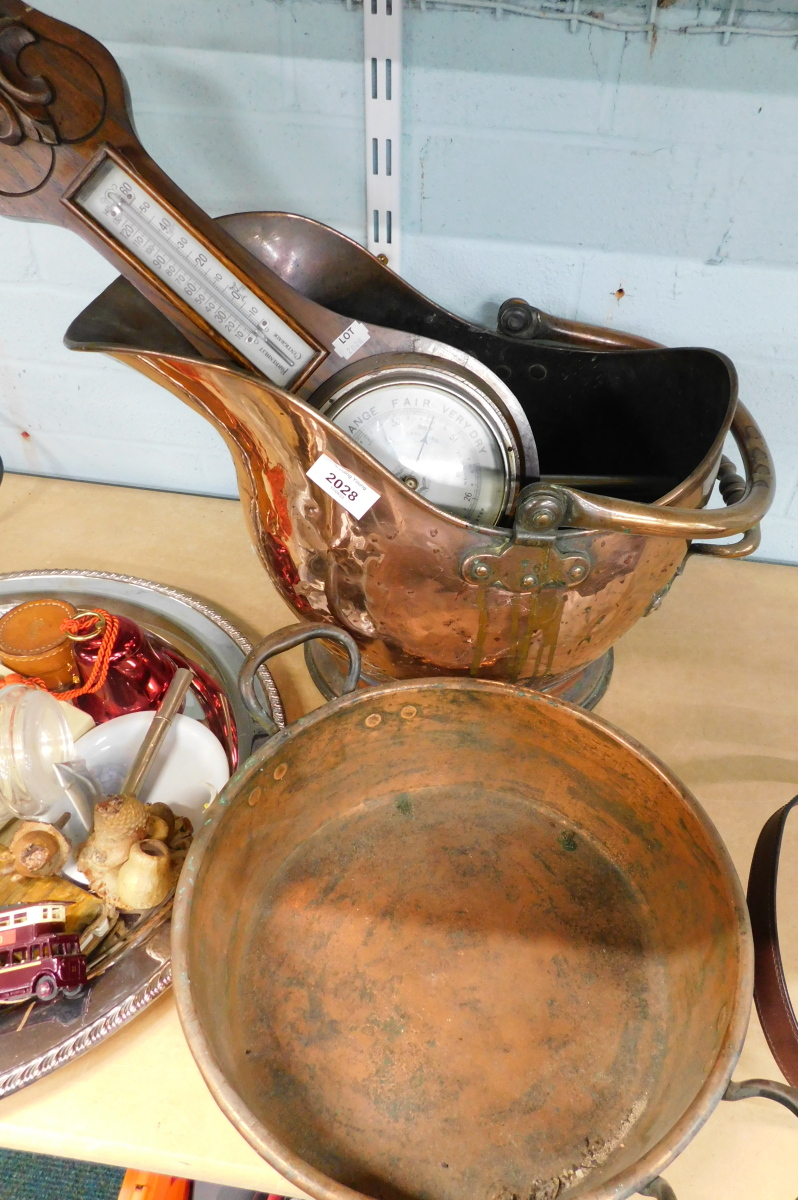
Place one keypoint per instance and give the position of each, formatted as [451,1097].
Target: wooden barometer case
[69,155]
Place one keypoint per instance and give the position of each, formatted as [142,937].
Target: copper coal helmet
[426,593]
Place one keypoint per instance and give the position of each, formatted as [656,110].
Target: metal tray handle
[286,639]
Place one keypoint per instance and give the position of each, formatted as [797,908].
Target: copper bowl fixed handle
[286,639]
[544,507]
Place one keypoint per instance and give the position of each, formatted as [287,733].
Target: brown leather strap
[770,987]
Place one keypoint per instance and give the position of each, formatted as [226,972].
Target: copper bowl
[450,939]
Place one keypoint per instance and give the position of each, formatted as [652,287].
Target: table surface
[707,683]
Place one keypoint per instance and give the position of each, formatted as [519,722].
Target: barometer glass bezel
[369,375]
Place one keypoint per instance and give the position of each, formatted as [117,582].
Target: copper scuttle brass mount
[531,559]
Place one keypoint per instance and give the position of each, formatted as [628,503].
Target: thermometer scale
[189,268]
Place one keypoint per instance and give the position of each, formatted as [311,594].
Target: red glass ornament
[140,671]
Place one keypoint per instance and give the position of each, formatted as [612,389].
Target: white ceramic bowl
[189,769]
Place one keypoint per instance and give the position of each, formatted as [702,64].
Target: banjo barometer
[435,416]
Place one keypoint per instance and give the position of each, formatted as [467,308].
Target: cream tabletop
[708,683]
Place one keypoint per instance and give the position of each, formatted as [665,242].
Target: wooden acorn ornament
[119,821]
[126,859]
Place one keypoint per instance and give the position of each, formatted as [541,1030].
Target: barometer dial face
[436,433]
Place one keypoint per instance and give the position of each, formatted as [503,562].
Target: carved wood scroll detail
[52,97]
[23,98]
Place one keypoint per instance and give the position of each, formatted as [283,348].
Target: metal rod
[167,710]
[583,481]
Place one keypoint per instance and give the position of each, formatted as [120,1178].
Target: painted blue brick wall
[538,162]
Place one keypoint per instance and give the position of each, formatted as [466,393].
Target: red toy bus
[37,958]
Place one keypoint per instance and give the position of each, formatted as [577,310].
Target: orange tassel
[82,623]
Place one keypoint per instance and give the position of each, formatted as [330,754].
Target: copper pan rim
[627,1182]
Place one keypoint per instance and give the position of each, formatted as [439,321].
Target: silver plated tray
[57,1032]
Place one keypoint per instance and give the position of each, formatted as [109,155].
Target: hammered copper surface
[424,592]
[452,940]
[395,576]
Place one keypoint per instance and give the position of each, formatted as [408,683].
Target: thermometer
[69,155]
[189,268]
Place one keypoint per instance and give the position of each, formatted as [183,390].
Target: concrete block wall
[563,167]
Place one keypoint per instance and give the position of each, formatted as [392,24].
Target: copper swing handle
[745,509]
[732,488]
[541,505]
[286,639]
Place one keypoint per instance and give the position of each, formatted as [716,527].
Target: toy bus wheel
[45,988]
[71,992]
